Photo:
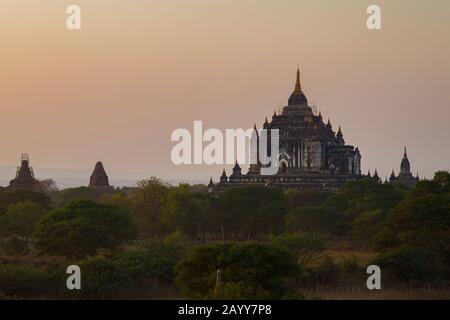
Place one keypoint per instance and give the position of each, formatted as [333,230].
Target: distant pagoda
[99,178]
[405,177]
[24,176]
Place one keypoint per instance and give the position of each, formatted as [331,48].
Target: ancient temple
[99,178]
[24,178]
[311,154]
[405,177]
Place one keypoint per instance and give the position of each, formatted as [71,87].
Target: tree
[132,273]
[70,194]
[14,245]
[422,221]
[324,220]
[187,211]
[20,219]
[82,227]
[305,246]
[443,179]
[307,198]
[25,281]
[248,271]
[149,201]
[367,225]
[407,264]
[118,199]
[358,196]
[8,197]
[417,232]
[252,211]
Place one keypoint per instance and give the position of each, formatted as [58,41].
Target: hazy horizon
[115,90]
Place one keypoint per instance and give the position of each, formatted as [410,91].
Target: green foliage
[250,212]
[248,270]
[367,225]
[148,204]
[326,272]
[410,227]
[86,193]
[307,198]
[101,279]
[14,245]
[305,246]
[442,178]
[422,221]
[363,205]
[118,199]
[153,259]
[132,272]
[8,197]
[323,220]
[417,233]
[189,212]
[408,264]
[359,196]
[82,227]
[28,281]
[176,238]
[20,219]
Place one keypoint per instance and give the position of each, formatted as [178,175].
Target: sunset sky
[138,69]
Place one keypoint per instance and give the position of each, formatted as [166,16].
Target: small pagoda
[99,179]
[24,179]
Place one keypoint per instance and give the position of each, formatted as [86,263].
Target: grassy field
[362,258]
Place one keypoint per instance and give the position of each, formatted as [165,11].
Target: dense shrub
[247,270]
[28,281]
[306,247]
[8,197]
[20,219]
[14,245]
[408,265]
[323,220]
[82,227]
[134,273]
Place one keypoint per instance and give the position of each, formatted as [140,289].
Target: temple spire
[340,137]
[404,165]
[298,86]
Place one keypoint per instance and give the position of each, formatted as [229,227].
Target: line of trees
[184,235]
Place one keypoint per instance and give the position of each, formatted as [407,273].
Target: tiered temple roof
[311,155]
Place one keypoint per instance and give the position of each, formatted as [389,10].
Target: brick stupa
[99,178]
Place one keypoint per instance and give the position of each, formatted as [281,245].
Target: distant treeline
[265,242]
